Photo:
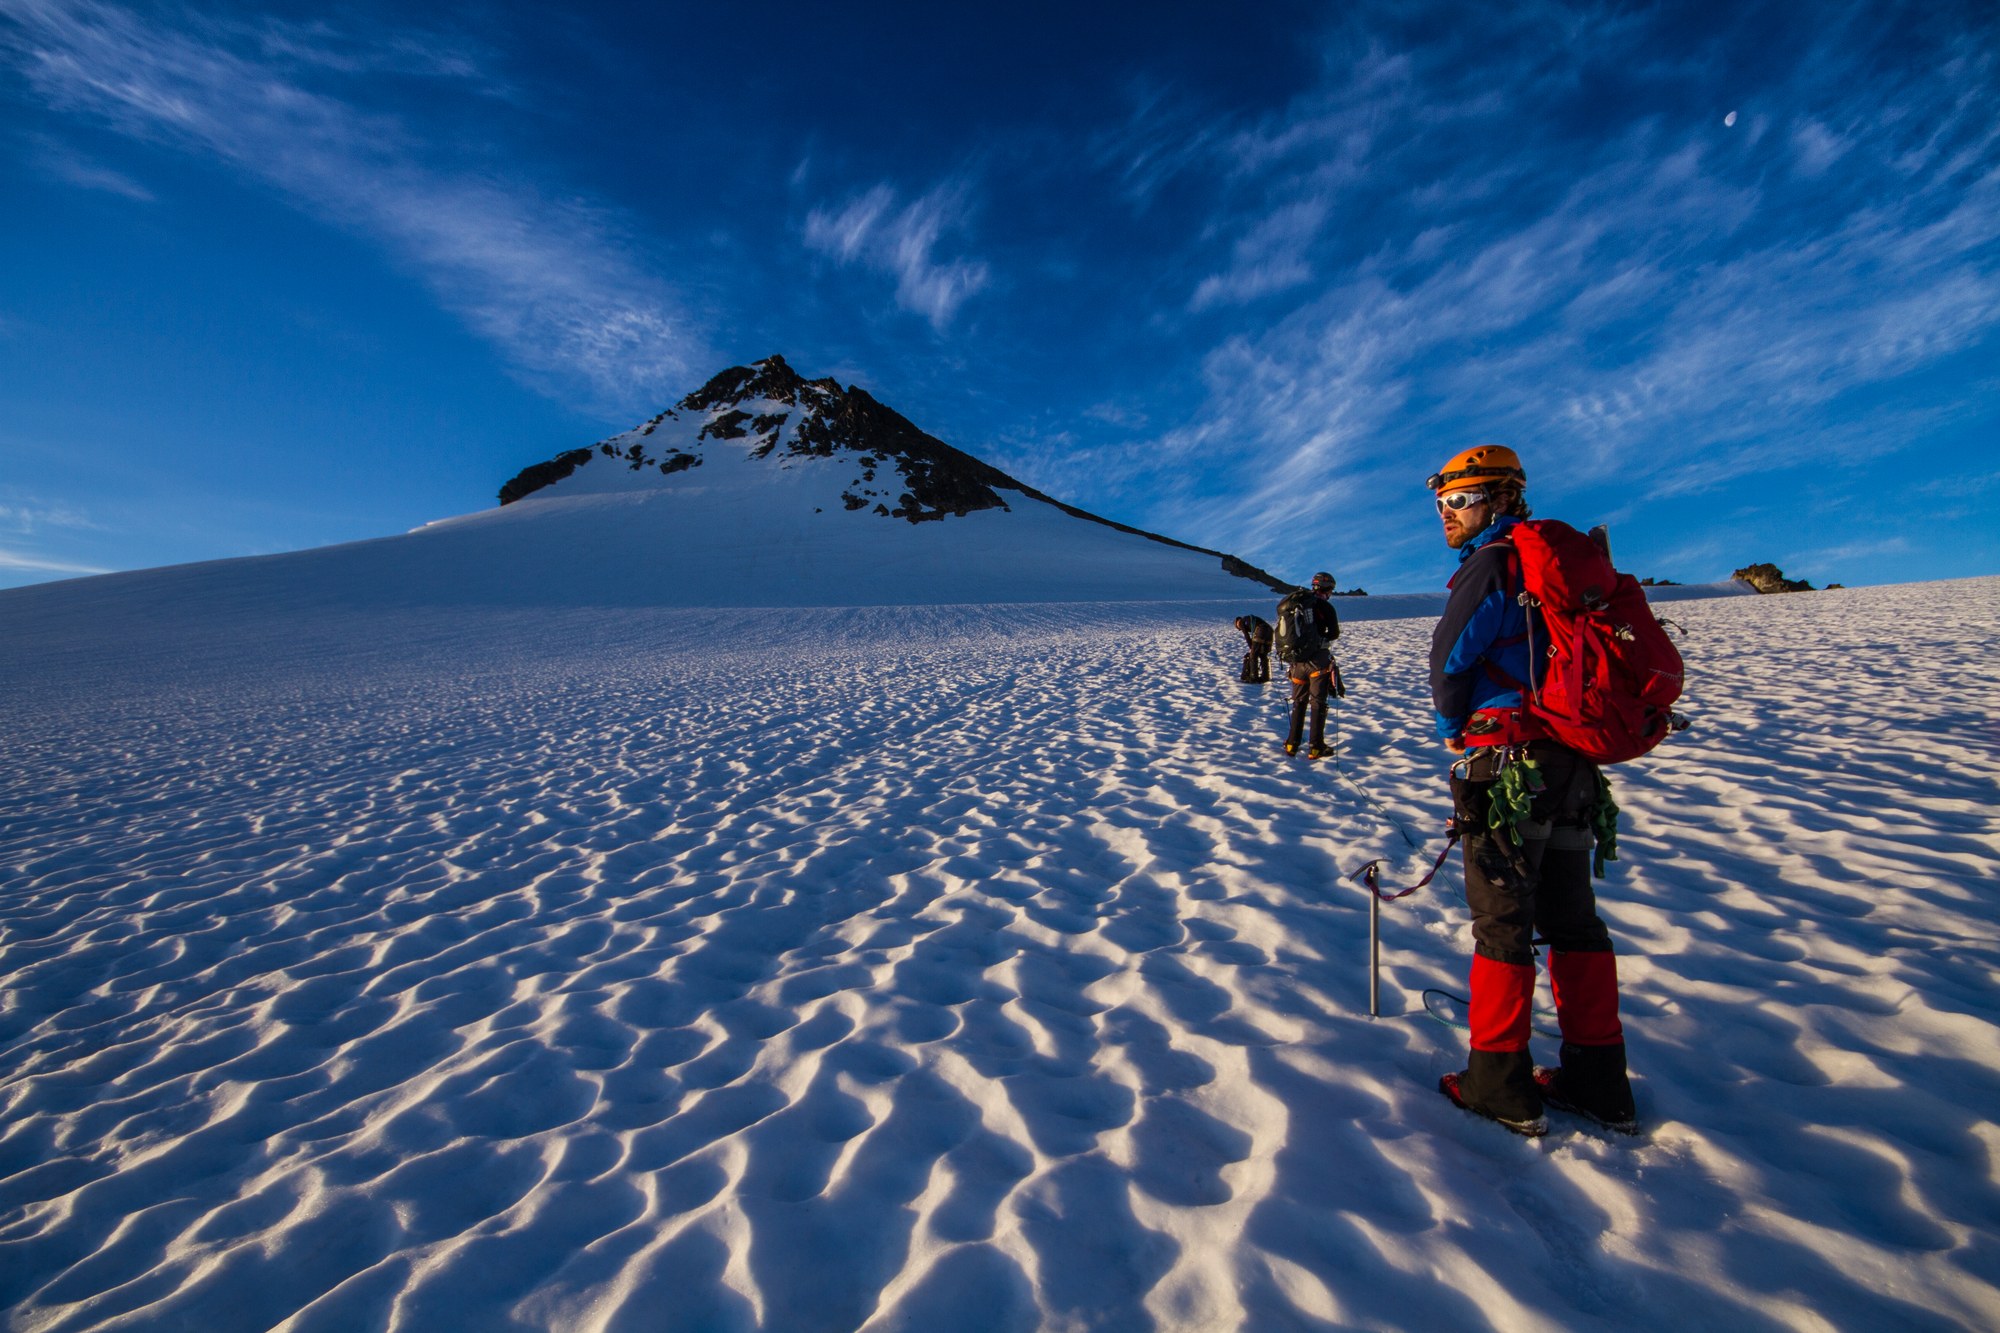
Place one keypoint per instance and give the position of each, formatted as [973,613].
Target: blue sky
[1728,277]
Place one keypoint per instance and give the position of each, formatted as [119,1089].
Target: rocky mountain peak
[771,414]
[771,379]
[780,415]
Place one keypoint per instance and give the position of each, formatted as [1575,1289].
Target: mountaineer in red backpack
[1546,663]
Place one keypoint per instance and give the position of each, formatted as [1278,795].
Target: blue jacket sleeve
[1475,615]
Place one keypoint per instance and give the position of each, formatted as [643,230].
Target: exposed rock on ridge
[1769,578]
[531,479]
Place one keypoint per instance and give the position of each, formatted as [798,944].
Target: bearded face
[1462,525]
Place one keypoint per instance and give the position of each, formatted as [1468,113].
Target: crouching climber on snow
[1256,633]
[1531,808]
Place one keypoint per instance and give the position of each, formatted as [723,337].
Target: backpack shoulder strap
[1511,580]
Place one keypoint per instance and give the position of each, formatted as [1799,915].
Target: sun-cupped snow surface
[956,967]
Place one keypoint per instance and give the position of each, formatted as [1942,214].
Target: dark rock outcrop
[770,378]
[941,481]
[728,426]
[531,479]
[1769,578]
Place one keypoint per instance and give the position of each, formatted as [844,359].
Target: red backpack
[1613,674]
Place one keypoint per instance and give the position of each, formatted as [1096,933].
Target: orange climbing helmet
[1478,467]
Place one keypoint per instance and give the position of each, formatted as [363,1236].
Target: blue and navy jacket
[1484,632]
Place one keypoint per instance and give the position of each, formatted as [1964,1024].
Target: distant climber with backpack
[1257,635]
[1528,805]
[1306,630]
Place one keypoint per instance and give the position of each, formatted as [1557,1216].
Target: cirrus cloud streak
[557,282]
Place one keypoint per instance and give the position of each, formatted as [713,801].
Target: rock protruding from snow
[1769,578]
[531,479]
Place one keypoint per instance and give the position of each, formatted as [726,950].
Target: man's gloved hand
[1456,745]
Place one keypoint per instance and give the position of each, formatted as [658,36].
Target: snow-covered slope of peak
[761,489]
[769,414]
[763,473]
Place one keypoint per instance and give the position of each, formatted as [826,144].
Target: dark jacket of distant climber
[1257,634]
[1313,676]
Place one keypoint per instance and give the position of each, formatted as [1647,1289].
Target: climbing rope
[1370,875]
[1464,1004]
[1368,798]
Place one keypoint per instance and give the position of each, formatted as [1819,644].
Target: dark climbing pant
[1312,681]
[1257,663]
[1541,887]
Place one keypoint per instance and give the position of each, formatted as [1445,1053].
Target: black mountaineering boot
[1528,1127]
[1591,1083]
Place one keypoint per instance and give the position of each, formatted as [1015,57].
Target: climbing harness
[1517,781]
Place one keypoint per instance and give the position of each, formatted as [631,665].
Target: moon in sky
[1729,119]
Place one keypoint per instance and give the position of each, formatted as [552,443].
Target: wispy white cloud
[323,45]
[879,232]
[26,523]
[1123,415]
[1643,306]
[1271,258]
[27,516]
[1159,138]
[1847,552]
[1817,148]
[61,162]
[557,282]
[28,562]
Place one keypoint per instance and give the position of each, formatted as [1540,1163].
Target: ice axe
[1370,879]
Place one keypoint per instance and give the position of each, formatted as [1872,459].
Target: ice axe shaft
[1374,955]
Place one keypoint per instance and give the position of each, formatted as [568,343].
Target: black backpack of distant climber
[1299,639]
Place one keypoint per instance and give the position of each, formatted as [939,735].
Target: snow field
[961,967]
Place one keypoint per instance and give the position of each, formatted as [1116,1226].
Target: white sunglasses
[1458,500]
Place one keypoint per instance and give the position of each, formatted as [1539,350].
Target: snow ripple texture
[966,968]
